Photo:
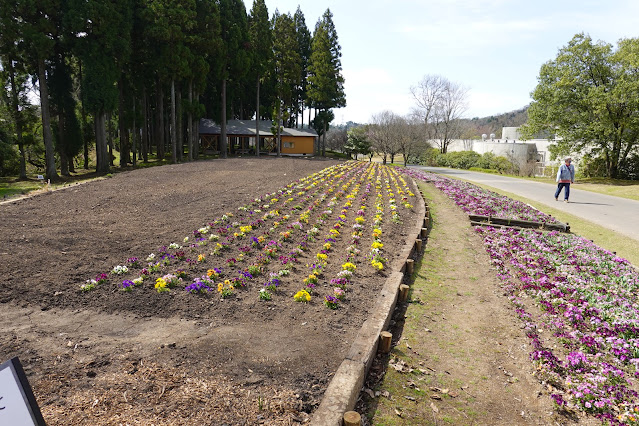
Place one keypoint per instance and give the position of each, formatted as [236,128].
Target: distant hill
[474,127]
[493,124]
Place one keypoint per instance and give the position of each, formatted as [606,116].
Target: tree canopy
[588,97]
[141,73]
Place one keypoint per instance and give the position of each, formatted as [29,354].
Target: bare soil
[113,357]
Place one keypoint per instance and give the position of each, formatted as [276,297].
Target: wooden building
[241,135]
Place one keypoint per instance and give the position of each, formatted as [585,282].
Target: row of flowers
[584,327]
[578,304]
[479,201]
[270,236]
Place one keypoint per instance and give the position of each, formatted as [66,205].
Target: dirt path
[460,355]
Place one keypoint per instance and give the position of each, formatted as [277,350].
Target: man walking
[565,176]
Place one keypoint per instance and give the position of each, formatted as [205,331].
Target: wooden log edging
[519,223]
[343,390]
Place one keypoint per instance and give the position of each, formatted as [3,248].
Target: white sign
[17,404]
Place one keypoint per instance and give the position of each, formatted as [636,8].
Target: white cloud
[493,102]
[371,77]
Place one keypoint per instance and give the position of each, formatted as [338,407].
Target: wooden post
[385,342]
[426,220]
[409,266]
[352,418]
[418,245]
[403,293]
[424,232]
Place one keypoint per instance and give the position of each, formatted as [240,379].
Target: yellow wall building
[241,136]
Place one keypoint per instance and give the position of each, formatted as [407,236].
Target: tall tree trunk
[18,120]
[178,126]
[64,159]
[145,127]
[110,139]
[302,114]
[124,133]
[85,139]
[223,140]
[173,132]
[189,122]
[83,114]
[196,130]
[160,127]
[49,153]
[324,139]
[134,136]
[102,160]
[257,120]
[279,128]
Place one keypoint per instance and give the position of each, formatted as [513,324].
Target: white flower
[150,257]
[120,269]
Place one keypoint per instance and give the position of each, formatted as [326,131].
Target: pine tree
[14,66]
[262,50]
[37,30]
[326,84]
[304,44]
[287,62]
[234,58]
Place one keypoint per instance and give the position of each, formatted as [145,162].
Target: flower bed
[584,319]
[289,243]
[478,201]
[578,303]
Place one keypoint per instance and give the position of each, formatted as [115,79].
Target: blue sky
[493,47]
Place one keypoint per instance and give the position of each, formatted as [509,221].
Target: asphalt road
[618,214]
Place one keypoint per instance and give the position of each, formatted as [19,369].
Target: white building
[511,146]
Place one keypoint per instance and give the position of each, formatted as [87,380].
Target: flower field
[578,304]
[308,242]
[479,201]
[167,295]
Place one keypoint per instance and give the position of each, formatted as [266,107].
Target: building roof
[247,128]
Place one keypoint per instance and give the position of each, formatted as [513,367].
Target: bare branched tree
[410,140]
[381,134]
[440,105]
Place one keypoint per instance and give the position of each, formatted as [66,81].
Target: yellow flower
[160,285]
[349,266]
[321,256]
[220,287]
[302,296]
[377,245]
[201,258]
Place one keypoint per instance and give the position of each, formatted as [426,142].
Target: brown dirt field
[112,357]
